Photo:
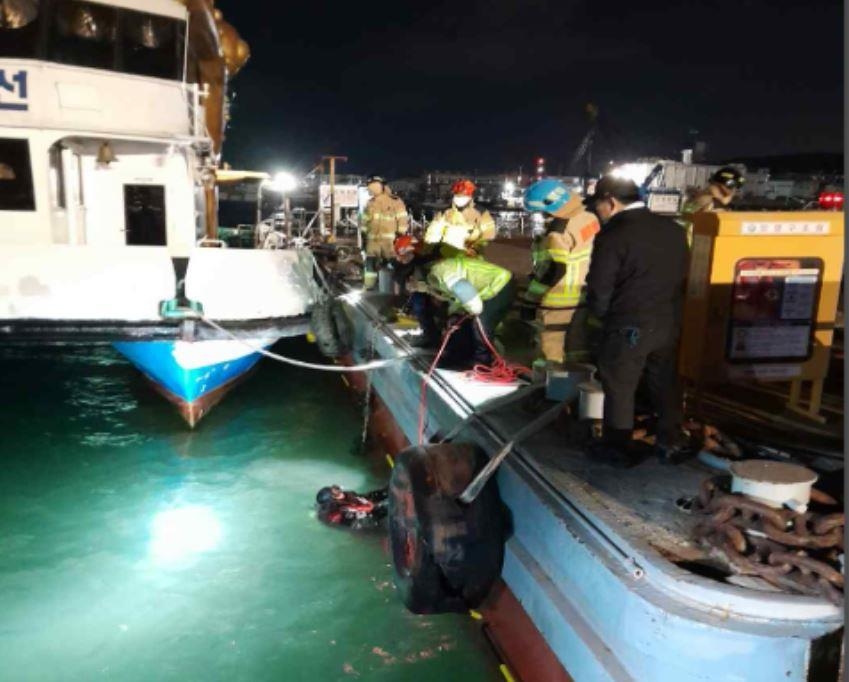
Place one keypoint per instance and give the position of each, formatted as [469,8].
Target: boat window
[83,34]
[19,23]
[152,45]
[16,191]
[144,215]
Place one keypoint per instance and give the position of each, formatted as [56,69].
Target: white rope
[374,364]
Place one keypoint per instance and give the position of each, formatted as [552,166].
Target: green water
[134,549]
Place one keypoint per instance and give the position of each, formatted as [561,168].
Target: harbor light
[636,172]
[177,534]
[509,187]
[284,181]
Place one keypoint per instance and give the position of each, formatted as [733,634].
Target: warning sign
[773,309]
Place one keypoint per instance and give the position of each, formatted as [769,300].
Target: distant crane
[584,152]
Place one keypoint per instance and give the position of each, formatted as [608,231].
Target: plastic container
[561,384]
[384,281]
[591,401]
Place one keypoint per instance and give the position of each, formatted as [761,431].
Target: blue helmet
[546,195]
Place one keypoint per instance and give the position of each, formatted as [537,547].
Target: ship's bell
[105,155]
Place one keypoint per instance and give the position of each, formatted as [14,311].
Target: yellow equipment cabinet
[762,298]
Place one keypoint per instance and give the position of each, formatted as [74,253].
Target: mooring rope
[368,366]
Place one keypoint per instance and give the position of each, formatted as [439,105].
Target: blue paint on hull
[156,359]
[569,571]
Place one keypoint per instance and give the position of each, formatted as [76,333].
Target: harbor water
[134,549]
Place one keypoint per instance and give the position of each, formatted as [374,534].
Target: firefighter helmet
[403,245]
[546,195]
[729,177]
[464,188]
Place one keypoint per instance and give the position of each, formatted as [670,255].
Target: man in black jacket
[635,289]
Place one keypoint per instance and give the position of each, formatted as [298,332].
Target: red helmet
[465,187]
[404,244]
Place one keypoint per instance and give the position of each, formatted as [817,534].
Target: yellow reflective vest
[486,278]
[573,249]
[480,227]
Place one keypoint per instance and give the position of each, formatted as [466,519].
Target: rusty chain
[795,552]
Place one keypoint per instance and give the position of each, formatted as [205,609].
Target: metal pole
[333,160]
[287,211]
[259,203]
[333,196]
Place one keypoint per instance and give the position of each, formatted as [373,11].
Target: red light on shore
[831,200]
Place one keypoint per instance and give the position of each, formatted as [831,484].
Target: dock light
[509,187]
[177,534]
[635,172]
[284,182]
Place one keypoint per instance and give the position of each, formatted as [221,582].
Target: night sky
[488,85]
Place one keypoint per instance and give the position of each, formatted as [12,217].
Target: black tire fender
[446,554]
[331,328]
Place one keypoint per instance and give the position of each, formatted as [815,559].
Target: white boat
[111,123]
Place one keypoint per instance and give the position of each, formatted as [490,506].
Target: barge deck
[602,560]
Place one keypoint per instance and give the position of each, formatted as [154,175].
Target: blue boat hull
[192,375]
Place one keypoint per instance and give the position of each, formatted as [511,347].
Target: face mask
[462,201]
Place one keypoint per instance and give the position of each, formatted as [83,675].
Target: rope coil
[499,372]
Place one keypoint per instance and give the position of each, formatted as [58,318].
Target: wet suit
[353,510]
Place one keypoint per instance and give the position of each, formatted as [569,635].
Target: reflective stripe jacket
[486,278]
[703,202]
[385,217]
[480,226]
[568,252]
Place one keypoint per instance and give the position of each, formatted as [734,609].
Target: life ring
[331,328]
[446,554]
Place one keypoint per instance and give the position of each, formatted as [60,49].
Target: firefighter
[472,286]
[480,227]
[403,264]
[722,187]
[384,219]
[635,290]
[560,268]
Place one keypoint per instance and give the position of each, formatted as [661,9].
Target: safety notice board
[762,295]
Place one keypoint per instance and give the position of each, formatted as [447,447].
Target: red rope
[426,379]
[501,371]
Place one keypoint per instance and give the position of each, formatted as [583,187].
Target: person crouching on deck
[473,287]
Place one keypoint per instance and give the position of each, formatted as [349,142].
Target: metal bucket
[591,400]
